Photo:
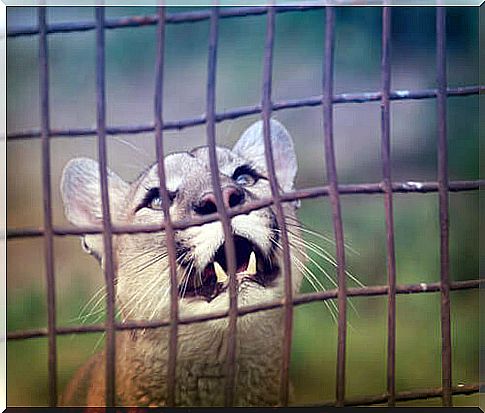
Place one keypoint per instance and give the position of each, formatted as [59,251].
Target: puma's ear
[81,195]
[81,192]
[251,147]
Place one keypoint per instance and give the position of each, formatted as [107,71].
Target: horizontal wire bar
[465,389]
[150,20]
[252,110]
[308,193]
[298,299]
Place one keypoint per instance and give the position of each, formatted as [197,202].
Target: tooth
[251,270]
[220,273]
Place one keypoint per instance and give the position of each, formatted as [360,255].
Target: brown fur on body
[141,372]
[142,275]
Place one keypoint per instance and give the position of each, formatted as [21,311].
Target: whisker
[140,299]
[185,282]
[163,286]
[167,290]
[87,307]
[152,261]
[334,283]
[135,148]
[314,262]
[299,225]
[324,255]
[158,282]
[137,301]
[98,342]
[296,241]
[312,279]
[84,318]
[140,295]
[153,251]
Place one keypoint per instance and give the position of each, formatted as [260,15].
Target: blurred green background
[298,60]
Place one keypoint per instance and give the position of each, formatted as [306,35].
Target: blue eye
[245,175]
[245,180]
[153,200]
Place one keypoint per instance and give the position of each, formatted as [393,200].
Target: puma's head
[141,260]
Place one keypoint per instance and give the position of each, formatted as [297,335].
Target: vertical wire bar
[107,228]
[387,186]
[47,201]
[280,217]
[169,231]
[335,200]
[443,205]
[229,395]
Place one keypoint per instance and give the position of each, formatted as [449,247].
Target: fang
[251,269]
[220,273]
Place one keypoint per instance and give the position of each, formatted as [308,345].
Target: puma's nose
[231,197]
[206,204]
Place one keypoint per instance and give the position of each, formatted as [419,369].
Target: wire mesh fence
[334,191]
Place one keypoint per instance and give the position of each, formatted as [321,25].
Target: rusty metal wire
[169,230]
[335,200]
[407,395]
[308,193]
[229,247]
[333,190]
[280,216]
[443,205]
[150,20]
[108,261]
[253,110]
[47,198]
[387,184]
[299,299]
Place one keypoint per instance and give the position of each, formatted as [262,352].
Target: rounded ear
[251,147]
[81,192]
[81,195]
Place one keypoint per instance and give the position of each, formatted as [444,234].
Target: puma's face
[142,263]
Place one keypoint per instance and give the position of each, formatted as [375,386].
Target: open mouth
[251,266]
